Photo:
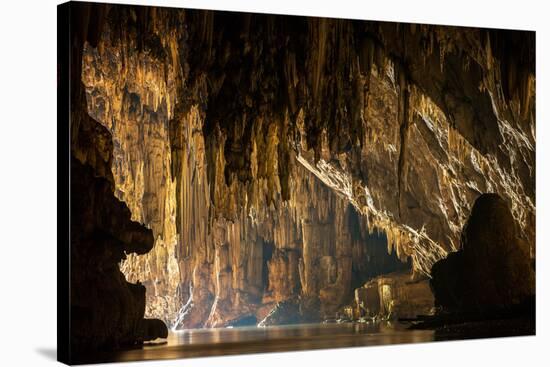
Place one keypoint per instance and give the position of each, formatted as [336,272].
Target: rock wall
[106,311]
[393,296]
[266,153]
[127,93]
[469,280]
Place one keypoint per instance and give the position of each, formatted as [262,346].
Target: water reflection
[212,342]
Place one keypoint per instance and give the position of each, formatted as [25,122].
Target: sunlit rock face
[288,160]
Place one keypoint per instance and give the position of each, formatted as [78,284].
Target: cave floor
[245,340]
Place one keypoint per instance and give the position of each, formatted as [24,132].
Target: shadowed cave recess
[283,169]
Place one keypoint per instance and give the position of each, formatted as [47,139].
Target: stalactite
[235,145]
[403,119]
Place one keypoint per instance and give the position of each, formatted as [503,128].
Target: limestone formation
[278,159]
[492,269]
[106,311]
[394,296]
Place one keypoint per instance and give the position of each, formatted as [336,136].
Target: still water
[213,342]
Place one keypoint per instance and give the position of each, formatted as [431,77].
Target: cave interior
[235,169]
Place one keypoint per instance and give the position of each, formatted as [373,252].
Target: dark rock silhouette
[493,268]
[106,311]
[154,329]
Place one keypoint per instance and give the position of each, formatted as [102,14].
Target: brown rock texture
[393,296]
[106,311]
[493,269]
[284,159]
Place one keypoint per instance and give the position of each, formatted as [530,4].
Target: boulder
[493,268]
[297,310]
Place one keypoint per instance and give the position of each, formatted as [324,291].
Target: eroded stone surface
[266,153]
[393,296]
[106,311]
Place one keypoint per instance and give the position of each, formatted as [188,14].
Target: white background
[28,182]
